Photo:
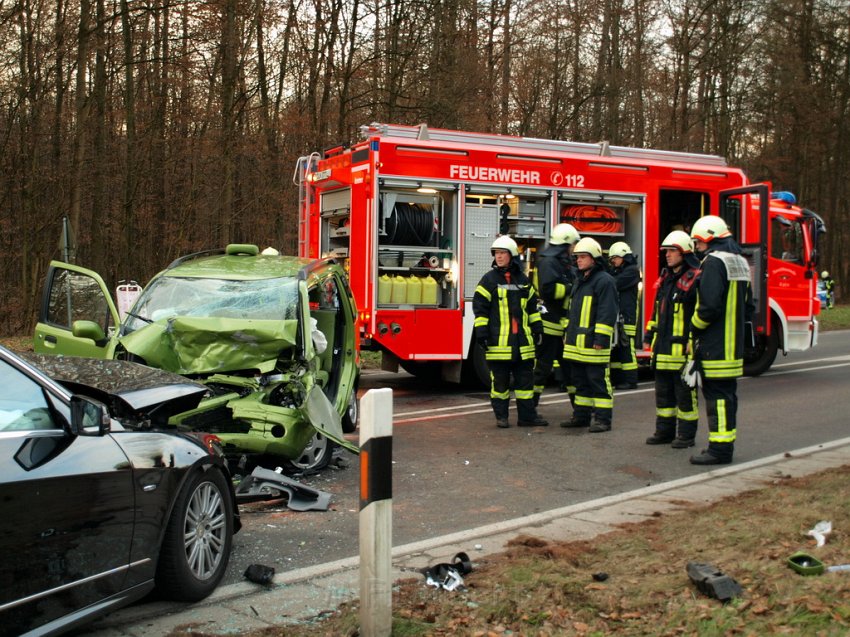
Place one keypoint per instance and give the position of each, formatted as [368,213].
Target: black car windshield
[169,297]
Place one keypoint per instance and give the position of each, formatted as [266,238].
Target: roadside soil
[544,588]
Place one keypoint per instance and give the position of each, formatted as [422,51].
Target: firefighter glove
[691,374]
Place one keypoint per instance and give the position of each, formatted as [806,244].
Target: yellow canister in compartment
[429,290]
[385,289]
[414,290]
[399,293]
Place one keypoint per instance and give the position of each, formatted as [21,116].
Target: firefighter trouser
[565,379]
[624,364]
[548,352]
[721,405]
[593,392]
[675,404]
[500,388]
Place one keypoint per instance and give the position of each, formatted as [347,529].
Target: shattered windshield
[169,297]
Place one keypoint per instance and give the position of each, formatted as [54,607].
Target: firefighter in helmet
[667,334]
[587,344]
[624,269]
[554,276]
[507,327]
[829,285]
[724,303]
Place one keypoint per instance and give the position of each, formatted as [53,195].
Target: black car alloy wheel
[196,546]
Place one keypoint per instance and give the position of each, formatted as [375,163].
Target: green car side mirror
[89,329]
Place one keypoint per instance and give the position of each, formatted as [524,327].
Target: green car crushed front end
[272,338]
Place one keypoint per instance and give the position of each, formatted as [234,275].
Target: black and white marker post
[376,509]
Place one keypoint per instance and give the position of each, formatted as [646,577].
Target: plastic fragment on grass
[820,531]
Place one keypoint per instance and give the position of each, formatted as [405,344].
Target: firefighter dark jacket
[506,316]
[724,302]
[627,278]
[592,315]
[554,277]
[669,328]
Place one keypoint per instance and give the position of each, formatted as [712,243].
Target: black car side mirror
[89,417]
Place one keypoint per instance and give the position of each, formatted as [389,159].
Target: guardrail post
[376,522]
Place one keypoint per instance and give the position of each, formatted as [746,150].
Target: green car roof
[238,267]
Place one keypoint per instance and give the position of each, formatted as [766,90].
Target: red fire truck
[412,212]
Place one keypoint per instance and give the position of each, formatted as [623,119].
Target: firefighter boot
[575,423]
[599,426]
[717,453]
[685,437]
[665,432]
[502,423]
[538,421]
[628,380]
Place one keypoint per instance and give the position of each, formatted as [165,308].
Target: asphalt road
[454,470]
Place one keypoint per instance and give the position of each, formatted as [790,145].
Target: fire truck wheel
[759,359]
[429,372]
[475,373]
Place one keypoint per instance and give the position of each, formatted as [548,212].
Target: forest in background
[164,127]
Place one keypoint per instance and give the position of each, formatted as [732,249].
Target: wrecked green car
[272,337]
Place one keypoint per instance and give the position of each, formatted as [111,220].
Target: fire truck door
[790,288]
[734,205]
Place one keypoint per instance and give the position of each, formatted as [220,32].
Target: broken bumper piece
[712,582]
[264,484]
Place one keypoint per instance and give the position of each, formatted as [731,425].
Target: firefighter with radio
[587,345]
[724,303]
[554,276]
[507,327]
[624,269]
[667,334]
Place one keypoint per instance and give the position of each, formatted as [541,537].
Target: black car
[100,502]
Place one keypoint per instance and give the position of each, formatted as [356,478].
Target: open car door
[319,410]
[77,315]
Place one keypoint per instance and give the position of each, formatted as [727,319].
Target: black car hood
[131,390]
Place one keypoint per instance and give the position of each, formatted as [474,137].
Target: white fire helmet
[588,246]
[563,233]
[678,239]
[619,249]
[505,243]
[709,227]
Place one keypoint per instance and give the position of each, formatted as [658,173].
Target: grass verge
[544,588]
[838,318]
[17,343]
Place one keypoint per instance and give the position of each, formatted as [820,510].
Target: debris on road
[805,564]
[264,484]
[259,574]
[712,582]
[449,577]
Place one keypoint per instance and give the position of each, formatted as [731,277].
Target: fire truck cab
[412,212]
